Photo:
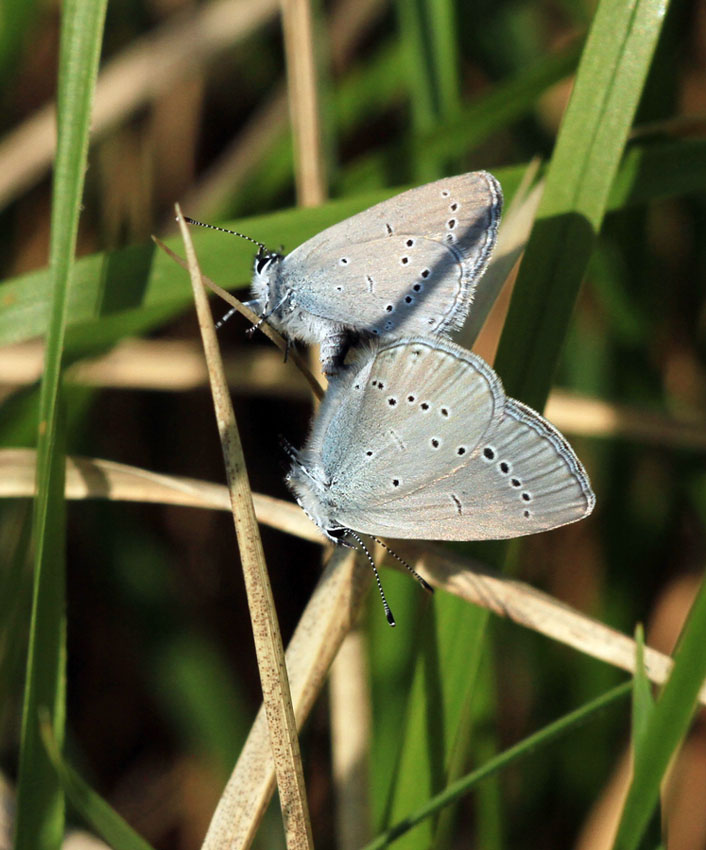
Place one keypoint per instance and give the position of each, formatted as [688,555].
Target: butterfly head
[312,493]
[265,280]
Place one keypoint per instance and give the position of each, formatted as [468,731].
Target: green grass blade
[642,702]
[608,86]
[471,125]
[667,725]
[40,805]
[143,289]
[101,816]
[428,34]
[444,681]
[528,746]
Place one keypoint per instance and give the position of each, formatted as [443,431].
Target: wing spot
[527,514]
[395,482]
[461,450]
[389,229]
[376,331]
[410,399]
[409,243]
[408,299]
[390,308]
[392,401]
[444,411]
[389,326]
[369,453]
[526,497]
[416,352]
[489,453]
[371,283]
[516,482]
[431,321]
[457,502]
[435,442]
[451,223]
[357,387]
[424,405]
[339,289]
[343,261]
[378,384]
[504,467]
[426,273]
[417,287]
[404,260]
[450,238]
[453,207]
[445,193]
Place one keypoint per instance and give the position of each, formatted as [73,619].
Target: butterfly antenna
[289,449]
[404,563]
[359,541]
[262,247]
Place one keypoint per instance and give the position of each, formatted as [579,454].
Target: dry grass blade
[176,365]
[350,712]
[593,417]
[350,21]
[268,641]
[91,478]
[100,479]
[488,314]
[331,612]
[267,329]
[138,75]
[304,102]
[533,609]
[173,365]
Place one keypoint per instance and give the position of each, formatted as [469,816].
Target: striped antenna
[404,563]
[262,248]
[388,614]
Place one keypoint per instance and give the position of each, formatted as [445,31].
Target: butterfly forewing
[406,408]
[408,265]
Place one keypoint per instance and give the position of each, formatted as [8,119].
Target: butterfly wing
[383,429]
[516,474]
[405,266]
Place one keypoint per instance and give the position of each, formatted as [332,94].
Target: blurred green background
[161,679]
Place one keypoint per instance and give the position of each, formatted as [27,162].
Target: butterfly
[406,266]
[417,439]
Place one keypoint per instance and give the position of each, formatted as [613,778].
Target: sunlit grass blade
[527,747]
[608,86]
[143,291]
[40,805]
[666,727]
[90,805]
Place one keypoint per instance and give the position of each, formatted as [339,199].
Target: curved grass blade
[608,86]
[94,809]
[40,804]
[524,748]
[665,728]
[611,75]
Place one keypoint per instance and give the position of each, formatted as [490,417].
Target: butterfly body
[417,439]
[406,266]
